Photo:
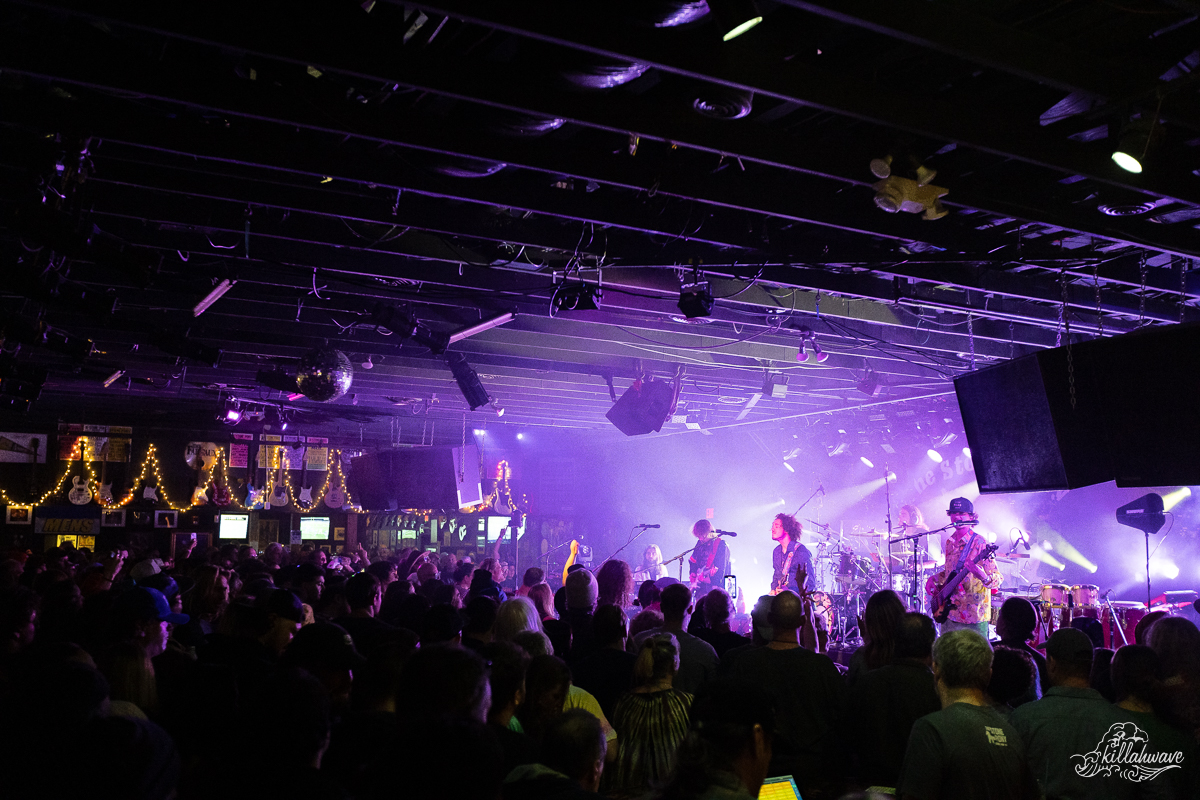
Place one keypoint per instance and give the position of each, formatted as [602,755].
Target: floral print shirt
[973,597]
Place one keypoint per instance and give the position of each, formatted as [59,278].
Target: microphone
[644,525]
[723,533]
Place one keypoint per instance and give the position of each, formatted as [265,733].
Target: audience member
[514,616]
[608,673]
[534,576]
[966,749]
[697,658]
[480,620]
[1142,629]
[718,609]
[1100,678]
[1176,640]
[1014,679]
[877,625]
[571,762]
[614,584]
[1071,718]
[364,596]
[726,753]
[885,703]
[809,696]
[582,596]
[542,597]
[651,720]
[1015,625]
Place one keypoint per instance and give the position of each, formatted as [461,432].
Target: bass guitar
[940,595]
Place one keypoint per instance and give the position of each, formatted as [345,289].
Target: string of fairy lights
[150,467]
[501,491]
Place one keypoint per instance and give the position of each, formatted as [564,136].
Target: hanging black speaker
[643,408]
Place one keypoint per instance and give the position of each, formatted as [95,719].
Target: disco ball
[324,374]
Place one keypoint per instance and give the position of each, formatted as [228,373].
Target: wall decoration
[18,515]
[112,518]
[166,519]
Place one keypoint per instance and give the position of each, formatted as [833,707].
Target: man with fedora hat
[972,599]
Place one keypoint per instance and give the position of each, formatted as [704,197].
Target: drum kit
[852,566]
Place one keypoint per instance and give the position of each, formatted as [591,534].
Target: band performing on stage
[953,573]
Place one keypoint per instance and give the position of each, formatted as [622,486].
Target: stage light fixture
[574,297]
[468,381]
[233,413]
[499,409]
[788,467]
[480,432]
[1134,145]
[869,385]
[866,461]
[695,299]
[367,363]
[735,17]
[484,325]
[934,455]
[521,436]
[808,338]
[216,294]
[838,449]
[775,385]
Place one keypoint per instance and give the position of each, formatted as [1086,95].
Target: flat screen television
[314,528]
[234,526]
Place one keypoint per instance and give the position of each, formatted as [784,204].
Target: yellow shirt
[973,597]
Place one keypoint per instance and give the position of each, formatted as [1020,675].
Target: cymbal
[871,534]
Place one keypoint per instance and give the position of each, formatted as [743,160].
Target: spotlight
[967,452]
[367,363]
[1130,153]
[1172,499]
[216,294]
[520,436]
[233,413]
[866,461]
[571,297]
[809,338]
[735,17]
[480,432]
[467,380]
[788,467]
[934,456]
[499,409]
[695,300]
[1047,545]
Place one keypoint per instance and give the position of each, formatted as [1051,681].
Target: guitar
[221,496]
[254,495]
[703,576]
[782,584]
[82,493]
[104,493]
[279,494]
[571,558]
[305,489]
[940,596]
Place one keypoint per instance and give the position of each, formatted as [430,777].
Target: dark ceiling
[456,160]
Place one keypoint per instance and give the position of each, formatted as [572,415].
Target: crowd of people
[287,673]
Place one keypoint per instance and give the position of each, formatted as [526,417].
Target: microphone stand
[887,491]
[552,549]
[622,547]
[809,500]
[679,558]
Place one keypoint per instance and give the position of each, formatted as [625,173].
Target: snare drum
[1054,595]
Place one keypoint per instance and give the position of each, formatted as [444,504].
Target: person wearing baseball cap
[970,604]
[145,615]
[326,651]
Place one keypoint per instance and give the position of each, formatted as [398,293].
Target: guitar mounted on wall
[335,497]
[279,493]
[940,596]
[305,489]
[254,495]
[104,494]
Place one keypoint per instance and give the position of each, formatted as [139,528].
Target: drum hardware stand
[1112,616]
[915,539]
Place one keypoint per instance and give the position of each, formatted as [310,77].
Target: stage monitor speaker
[1132,420]
[643,408]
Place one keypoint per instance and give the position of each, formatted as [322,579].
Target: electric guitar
[782,584]
[254,495]
[305,489]
[940,596]
[279,495]
[104,493]
[82,493]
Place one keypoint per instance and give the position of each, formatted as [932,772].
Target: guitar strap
[787,565]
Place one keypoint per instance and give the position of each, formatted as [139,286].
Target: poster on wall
[239,455]
[67,519]
[19,515]
[201,455]
[23,448]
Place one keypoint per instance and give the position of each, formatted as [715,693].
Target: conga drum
[1085,601]
[1055,601]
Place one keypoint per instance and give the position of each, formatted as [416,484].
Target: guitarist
[972,599]
[790,556]
[709,563]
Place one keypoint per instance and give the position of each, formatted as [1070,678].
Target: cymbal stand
[887,492]
[915,538]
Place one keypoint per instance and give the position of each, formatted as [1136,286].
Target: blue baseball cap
[142,603]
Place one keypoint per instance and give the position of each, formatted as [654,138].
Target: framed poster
[166,519]
[19,515]
[112,518]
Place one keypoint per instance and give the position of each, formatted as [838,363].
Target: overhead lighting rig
[695,298]
[808,338]
[576,297]
[906,185]
[402,323]
[468,381]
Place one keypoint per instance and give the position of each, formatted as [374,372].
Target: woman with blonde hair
[515,616]
[651,720]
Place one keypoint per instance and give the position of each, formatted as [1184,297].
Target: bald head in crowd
[787,613]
